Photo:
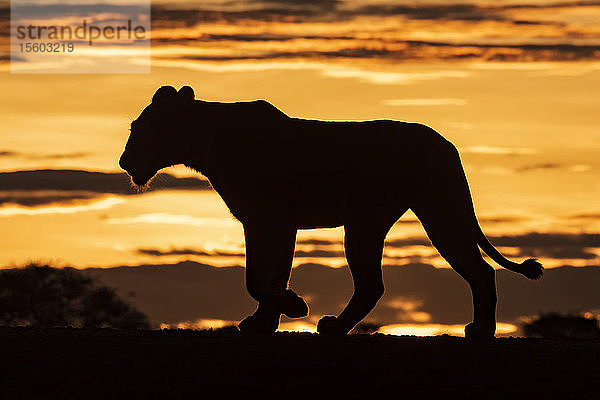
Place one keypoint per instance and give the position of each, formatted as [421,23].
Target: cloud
[314,253]
[484,149]
[318,242]
[49,156]
[35,199]
[97,182]
[103,204]
[547,240]
[409,241]
[559,252]
[509,40]
[425,102]
[539,166]
[189,252]
[552,245]
[544,245]
[40,187]
[319,253]
[502,219]
[456,12]
[412,50]
[172,219]
[335,11]
[337,30]
[586,216]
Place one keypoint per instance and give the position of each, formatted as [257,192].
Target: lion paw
[293,306]
[258,325]
[286,302]
[331,326]
[477,333]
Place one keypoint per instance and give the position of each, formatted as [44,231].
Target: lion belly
[329,201]
[316,201]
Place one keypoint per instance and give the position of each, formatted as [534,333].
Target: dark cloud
[547,240]
[407,221]
[460,12]
[300,253]
[40,200]
[164,17]
[552,245]
[293,11]
[50,156]
[424,51]
[57,10]
[190,291]
[546,245]
[502,219]
[188,252]
[359,52]
[315,253]
[318,242]
[592,216]
[303,3]
[540,166]
[410,241]
[463,12]
[246,37]
[559,252]
[4,22]
[240,37]
[559,4]
[314,4]
[384,48]
[319,253]
[98,182]
[543,245]
[73,185]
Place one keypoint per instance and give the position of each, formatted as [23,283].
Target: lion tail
[531,268]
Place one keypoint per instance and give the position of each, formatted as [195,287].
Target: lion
[279,174]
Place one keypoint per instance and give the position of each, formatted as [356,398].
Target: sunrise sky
[513,84]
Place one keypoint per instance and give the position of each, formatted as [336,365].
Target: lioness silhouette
[278,174]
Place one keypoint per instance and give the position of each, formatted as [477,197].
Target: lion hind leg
[465,258]
[453,238]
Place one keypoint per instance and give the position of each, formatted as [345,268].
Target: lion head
[157,135]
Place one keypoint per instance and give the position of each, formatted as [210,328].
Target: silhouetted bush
[42,296]
[557,326]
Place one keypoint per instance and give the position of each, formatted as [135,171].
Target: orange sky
[523,117]
[514,87]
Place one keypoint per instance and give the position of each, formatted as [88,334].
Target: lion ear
[186,94]
[163,94]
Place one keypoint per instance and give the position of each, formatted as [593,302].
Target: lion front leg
[269,254]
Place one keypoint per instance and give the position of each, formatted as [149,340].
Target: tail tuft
[531,268]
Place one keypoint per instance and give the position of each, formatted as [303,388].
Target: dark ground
[104,364]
